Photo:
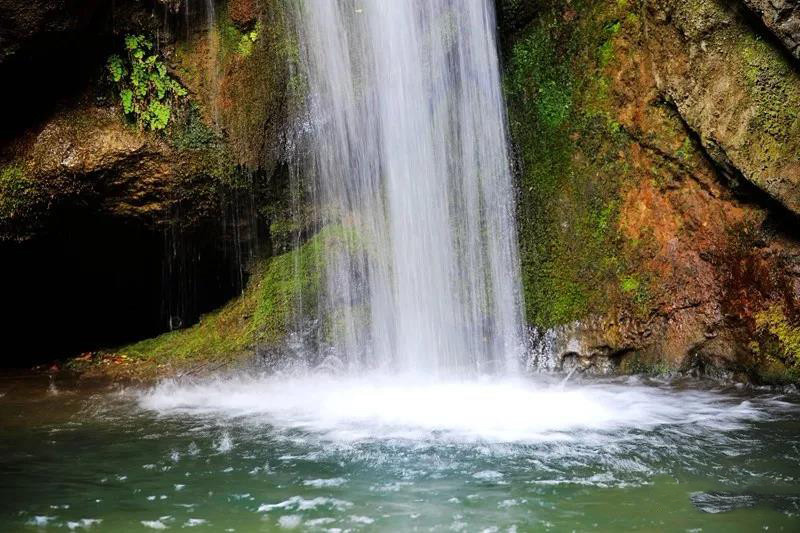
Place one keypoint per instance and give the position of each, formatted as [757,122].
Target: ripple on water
[322,483]
[298,503]
[84,523]
[300,462]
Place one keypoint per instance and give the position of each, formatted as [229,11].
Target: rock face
[734,89]
[185,193]
[230,123]
[22,23]
[657,146]
[782,17]
[658,151]
[91,153]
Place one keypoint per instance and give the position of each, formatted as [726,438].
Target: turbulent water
[320,454]
[409,155]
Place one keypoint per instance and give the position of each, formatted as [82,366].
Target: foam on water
[348,408]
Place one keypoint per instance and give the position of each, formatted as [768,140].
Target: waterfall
[410,165]
[213,52]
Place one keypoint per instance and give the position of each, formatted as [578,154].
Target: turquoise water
[329,454]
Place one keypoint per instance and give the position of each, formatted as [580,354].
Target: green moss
[236,42]
[570,145]
[774,86]
[17,192]
[193,133]
[606,50]
[209,152]
[292,279]
[685,150]
[248,39]
[630,284]
[776,373]
[248,86]
[639,365]
[539,82]
[784,335]
[280,291]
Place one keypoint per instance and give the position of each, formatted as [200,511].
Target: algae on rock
[632,122]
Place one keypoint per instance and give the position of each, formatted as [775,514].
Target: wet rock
[659,179]
[22,23]
[734,89]
[91,154]
[243,13]
[782,17]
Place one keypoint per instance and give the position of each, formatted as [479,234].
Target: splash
[349,409]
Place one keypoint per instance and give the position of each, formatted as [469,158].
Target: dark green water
[107,459]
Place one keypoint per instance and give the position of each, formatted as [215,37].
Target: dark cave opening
[93,281]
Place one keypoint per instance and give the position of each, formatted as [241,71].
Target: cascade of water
[213,52]
[409,154]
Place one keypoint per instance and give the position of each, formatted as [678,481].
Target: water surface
[397,454]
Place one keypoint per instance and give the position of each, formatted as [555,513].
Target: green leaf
[127,100]
[115,68]
[159,115]
[145,87]
[132,42]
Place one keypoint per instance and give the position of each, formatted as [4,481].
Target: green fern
[146,90]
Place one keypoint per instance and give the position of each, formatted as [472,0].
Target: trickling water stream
[410,159]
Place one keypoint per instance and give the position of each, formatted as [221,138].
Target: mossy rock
[569,147]
[281,293]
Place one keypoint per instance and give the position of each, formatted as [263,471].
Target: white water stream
[409,148]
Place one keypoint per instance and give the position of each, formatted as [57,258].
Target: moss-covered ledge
[281,293]
[280,289]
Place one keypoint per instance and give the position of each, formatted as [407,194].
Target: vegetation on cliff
[633,232]
[146,90]
[570,147]
[262,315]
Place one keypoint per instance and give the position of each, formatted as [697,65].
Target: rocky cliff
[139,136]
[657,152]
[659,170]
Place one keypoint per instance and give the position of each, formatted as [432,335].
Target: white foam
[322,483]
[225,444]
[41,521]
[83,523]
[154,524]
[298,503]
[350,409]
[290,521]
[488,475]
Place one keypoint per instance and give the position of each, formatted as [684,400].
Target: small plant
[17,191]
[146,90]
[785,333]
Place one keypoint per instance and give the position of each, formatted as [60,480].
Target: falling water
[213,52]
[410,160]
